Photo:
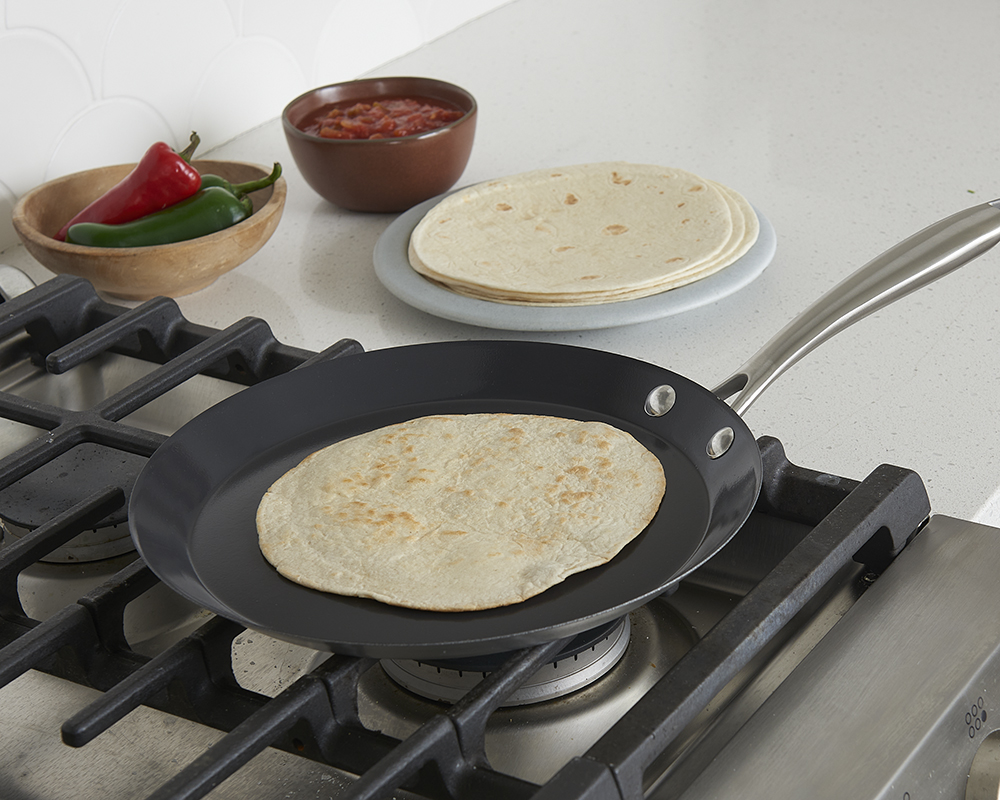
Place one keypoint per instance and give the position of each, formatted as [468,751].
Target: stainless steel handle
[915,262]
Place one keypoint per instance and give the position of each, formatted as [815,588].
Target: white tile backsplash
[95,83]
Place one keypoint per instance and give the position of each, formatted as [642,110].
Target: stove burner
[583,661]
[60,484]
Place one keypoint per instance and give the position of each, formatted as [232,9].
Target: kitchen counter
[848,125]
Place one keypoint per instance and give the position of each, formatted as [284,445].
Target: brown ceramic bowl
[139,273]
[381,175]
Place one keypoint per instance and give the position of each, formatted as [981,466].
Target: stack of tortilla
[460,512]
[582,235]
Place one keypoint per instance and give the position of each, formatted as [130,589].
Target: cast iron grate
[317,716]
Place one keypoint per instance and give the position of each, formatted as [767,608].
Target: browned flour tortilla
[459,512]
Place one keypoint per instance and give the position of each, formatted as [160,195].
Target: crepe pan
[192,508]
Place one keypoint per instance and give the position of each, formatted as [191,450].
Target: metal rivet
[720,443]
[660,400]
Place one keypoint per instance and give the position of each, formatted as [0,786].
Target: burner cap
[59,484]
[584,660]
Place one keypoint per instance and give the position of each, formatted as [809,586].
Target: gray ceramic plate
[392,266]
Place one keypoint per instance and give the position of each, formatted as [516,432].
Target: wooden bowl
[139,273]
[381,175]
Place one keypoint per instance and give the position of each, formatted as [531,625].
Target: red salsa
[385,118]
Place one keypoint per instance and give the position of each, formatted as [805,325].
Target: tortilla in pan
[459,512]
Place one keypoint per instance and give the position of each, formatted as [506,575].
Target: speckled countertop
[850,125]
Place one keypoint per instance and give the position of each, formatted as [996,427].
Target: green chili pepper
[213,208]
[240,189]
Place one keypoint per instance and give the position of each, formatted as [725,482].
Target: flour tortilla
[459,512]
[581,235]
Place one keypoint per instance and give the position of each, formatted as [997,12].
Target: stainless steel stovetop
[874,678]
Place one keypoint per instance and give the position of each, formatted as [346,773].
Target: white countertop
[850,125]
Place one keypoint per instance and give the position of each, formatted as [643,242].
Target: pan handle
[913,263]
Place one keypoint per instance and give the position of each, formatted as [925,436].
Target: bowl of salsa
[381,144]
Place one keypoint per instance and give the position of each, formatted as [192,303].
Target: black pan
[192,508]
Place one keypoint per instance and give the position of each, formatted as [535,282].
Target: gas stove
[844,644]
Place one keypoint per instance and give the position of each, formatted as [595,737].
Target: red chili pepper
[160,179]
